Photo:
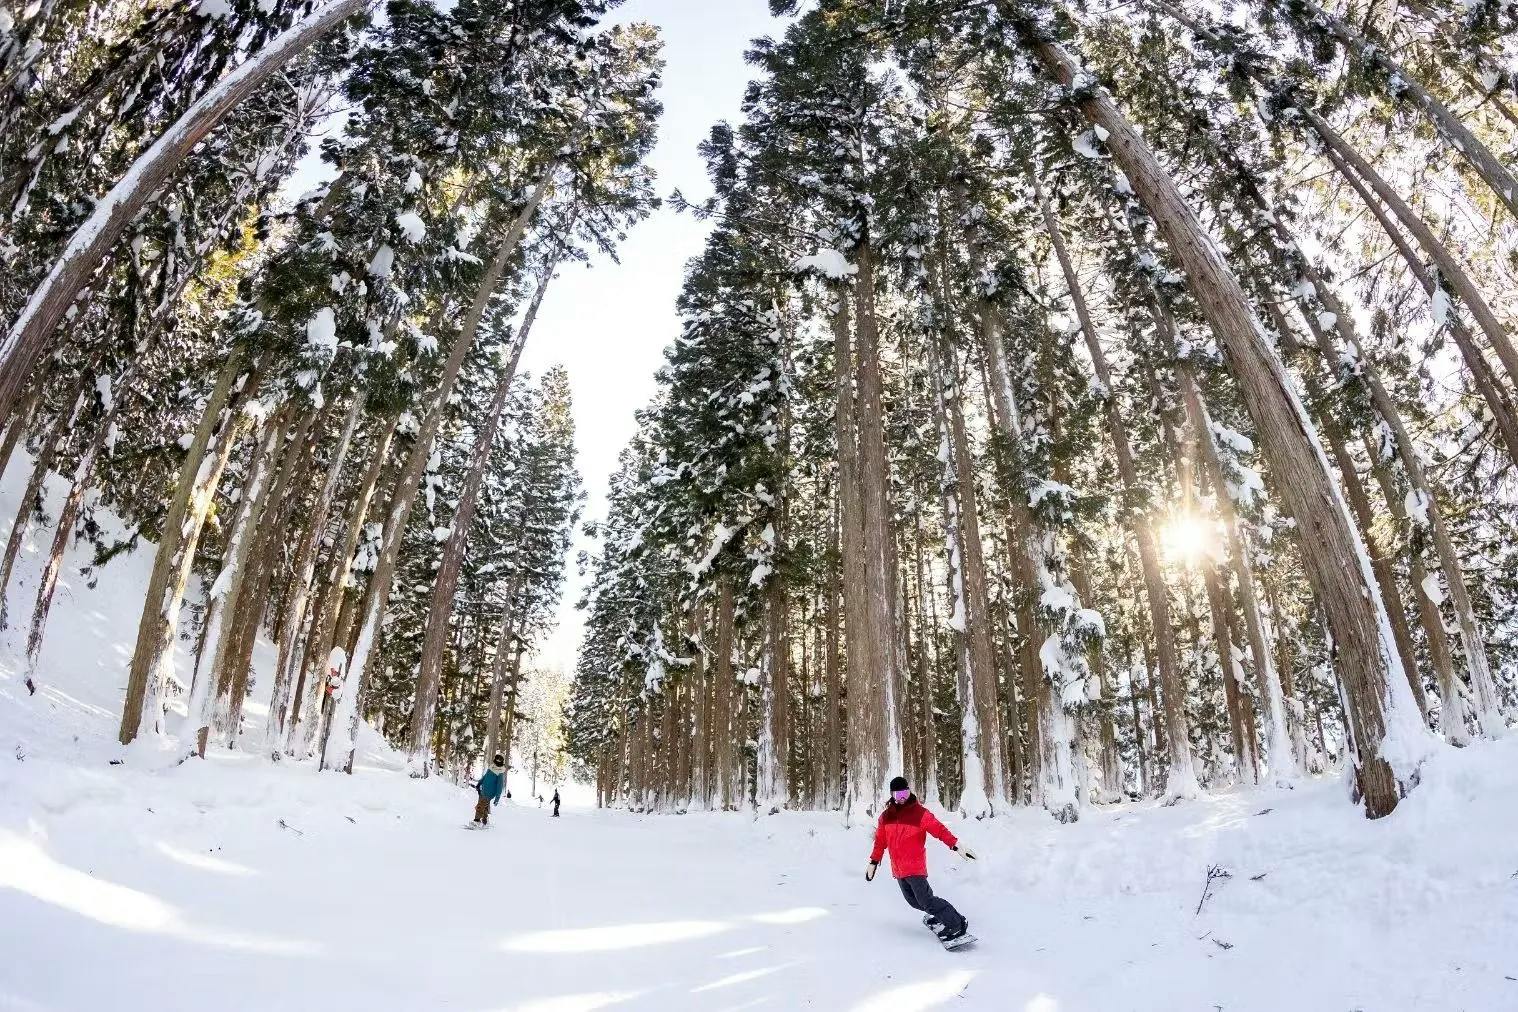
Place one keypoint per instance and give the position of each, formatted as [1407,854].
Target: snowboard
[958,943]
[474,825]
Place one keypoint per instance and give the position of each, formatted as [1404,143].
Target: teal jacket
[491,785]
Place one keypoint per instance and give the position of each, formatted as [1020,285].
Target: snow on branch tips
[830,263]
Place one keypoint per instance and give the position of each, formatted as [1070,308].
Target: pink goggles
[901,796]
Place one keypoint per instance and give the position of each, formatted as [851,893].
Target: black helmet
[899,784]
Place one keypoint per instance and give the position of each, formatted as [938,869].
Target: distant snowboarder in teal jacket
[490,787]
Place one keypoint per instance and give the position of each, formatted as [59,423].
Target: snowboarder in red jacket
[903,830]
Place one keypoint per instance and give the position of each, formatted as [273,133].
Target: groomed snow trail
[230,884]
[235,884]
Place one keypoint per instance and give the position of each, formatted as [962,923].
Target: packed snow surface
[233,883]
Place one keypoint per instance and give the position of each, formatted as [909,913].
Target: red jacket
[903,830]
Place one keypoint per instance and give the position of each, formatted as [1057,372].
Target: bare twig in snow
[1214,872]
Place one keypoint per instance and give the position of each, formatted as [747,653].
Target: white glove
[869,873]
[966,853]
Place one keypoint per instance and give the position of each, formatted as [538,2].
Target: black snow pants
[919,895]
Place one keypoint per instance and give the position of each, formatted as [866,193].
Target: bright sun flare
[1186,539]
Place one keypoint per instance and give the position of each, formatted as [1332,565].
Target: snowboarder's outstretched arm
[938,830]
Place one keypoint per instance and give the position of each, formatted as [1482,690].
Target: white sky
[609,323]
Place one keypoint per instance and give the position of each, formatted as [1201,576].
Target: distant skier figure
[555,802]
[489,789]
[903,830]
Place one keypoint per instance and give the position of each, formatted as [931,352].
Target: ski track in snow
[163,887]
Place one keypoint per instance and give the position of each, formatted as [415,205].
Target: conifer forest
[1075,405]
[1071,404]
[1096,420]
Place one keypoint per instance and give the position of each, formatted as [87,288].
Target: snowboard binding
[951,943]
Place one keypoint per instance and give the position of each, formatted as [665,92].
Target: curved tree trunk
[1483,376]
[203,694]
[32,501]
[1456,134]
[1181,783]
[504,648]
[1359,503]
[347,711]
[1352,166]
[1345,158]
[446,581]
[304,568]
[1472,639]
[33,330]
[1392,742]
[246,609]
[1232,674]
[63,530]
[198,477]
[1452,715]
[1192,475]
[324,628]
[1284,762]
[17,426]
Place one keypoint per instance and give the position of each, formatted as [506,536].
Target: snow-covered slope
[230,884]
[236,884]
[82,670]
